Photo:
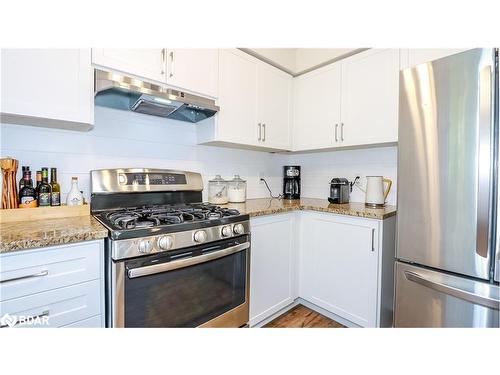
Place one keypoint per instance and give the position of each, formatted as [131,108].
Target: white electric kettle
[375,193]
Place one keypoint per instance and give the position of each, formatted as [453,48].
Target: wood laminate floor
[303,317]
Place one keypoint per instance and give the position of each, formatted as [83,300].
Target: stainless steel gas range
[171,261]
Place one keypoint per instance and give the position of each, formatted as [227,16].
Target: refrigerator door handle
[450,290]
[484,166]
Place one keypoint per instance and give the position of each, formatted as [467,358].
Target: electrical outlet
[261,176]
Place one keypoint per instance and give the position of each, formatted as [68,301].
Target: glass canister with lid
[237,190]
[217,190]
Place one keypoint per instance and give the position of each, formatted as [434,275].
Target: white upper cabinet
[370,98]
[316,108]
[274,89]
[48,87]
[352,102]
[254,100]
[194,69]
[237,119]
[145,63]
[412,57]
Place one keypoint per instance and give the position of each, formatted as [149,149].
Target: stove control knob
[145,246]
[226,231]
[200,236]
[239,229]
[165,242]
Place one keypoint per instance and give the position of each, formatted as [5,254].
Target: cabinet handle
[163,60]
[16,322]
[260,132]
[171,64]
[373,239]
[264,136]
[336,128]
[39,274]
[342,131]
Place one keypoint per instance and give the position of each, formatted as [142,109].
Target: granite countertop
[268,206]
[17,236]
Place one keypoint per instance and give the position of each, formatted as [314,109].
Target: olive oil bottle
[55,198]
[44,189]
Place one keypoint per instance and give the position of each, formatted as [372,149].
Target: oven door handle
[181,263]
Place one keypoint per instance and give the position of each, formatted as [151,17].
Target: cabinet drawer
[55,308]
[49,268]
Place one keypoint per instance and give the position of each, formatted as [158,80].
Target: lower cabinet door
[339,266]
[54,308]
[272,265]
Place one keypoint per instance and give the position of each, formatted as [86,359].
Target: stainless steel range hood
[122,92]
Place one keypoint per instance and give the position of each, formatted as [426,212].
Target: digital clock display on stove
[155,179]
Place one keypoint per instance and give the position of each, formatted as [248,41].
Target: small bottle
[74,198]
[44,190]
[27,195]
[38,179]
[21,181]
[55,198]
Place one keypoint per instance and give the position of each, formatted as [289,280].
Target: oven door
[201,286]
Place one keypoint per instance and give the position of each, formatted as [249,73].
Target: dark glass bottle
[44,190]
[38,179]
[21,181]
[27,195]
[55,198]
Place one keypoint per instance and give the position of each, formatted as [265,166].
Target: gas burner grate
[145,217]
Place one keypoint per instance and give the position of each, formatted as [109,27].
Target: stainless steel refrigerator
[447,267]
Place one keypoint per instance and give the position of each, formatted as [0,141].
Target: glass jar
[237,190]
[217,190]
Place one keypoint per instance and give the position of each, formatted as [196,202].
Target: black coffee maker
[291,182]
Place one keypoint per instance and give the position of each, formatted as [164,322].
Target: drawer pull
[17,321]
[39,274]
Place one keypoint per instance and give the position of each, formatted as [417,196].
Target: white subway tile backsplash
[123,139]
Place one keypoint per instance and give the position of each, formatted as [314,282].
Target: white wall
[319,168]
[124,139]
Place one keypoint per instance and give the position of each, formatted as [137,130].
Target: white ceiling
[300,60]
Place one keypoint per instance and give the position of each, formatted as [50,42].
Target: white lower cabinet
[338,269]
[342,264]
[272,265]
[53,287]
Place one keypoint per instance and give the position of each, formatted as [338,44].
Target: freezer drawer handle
[459,293]
[164,267]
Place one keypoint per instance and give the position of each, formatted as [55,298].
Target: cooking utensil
[9,183]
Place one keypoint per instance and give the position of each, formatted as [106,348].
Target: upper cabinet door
[194,70]
[237,118]
[412,57]
[370,97]
[145,63]
[274,89]
[316,108]
[48,87]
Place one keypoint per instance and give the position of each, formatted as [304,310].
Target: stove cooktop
[160,219]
